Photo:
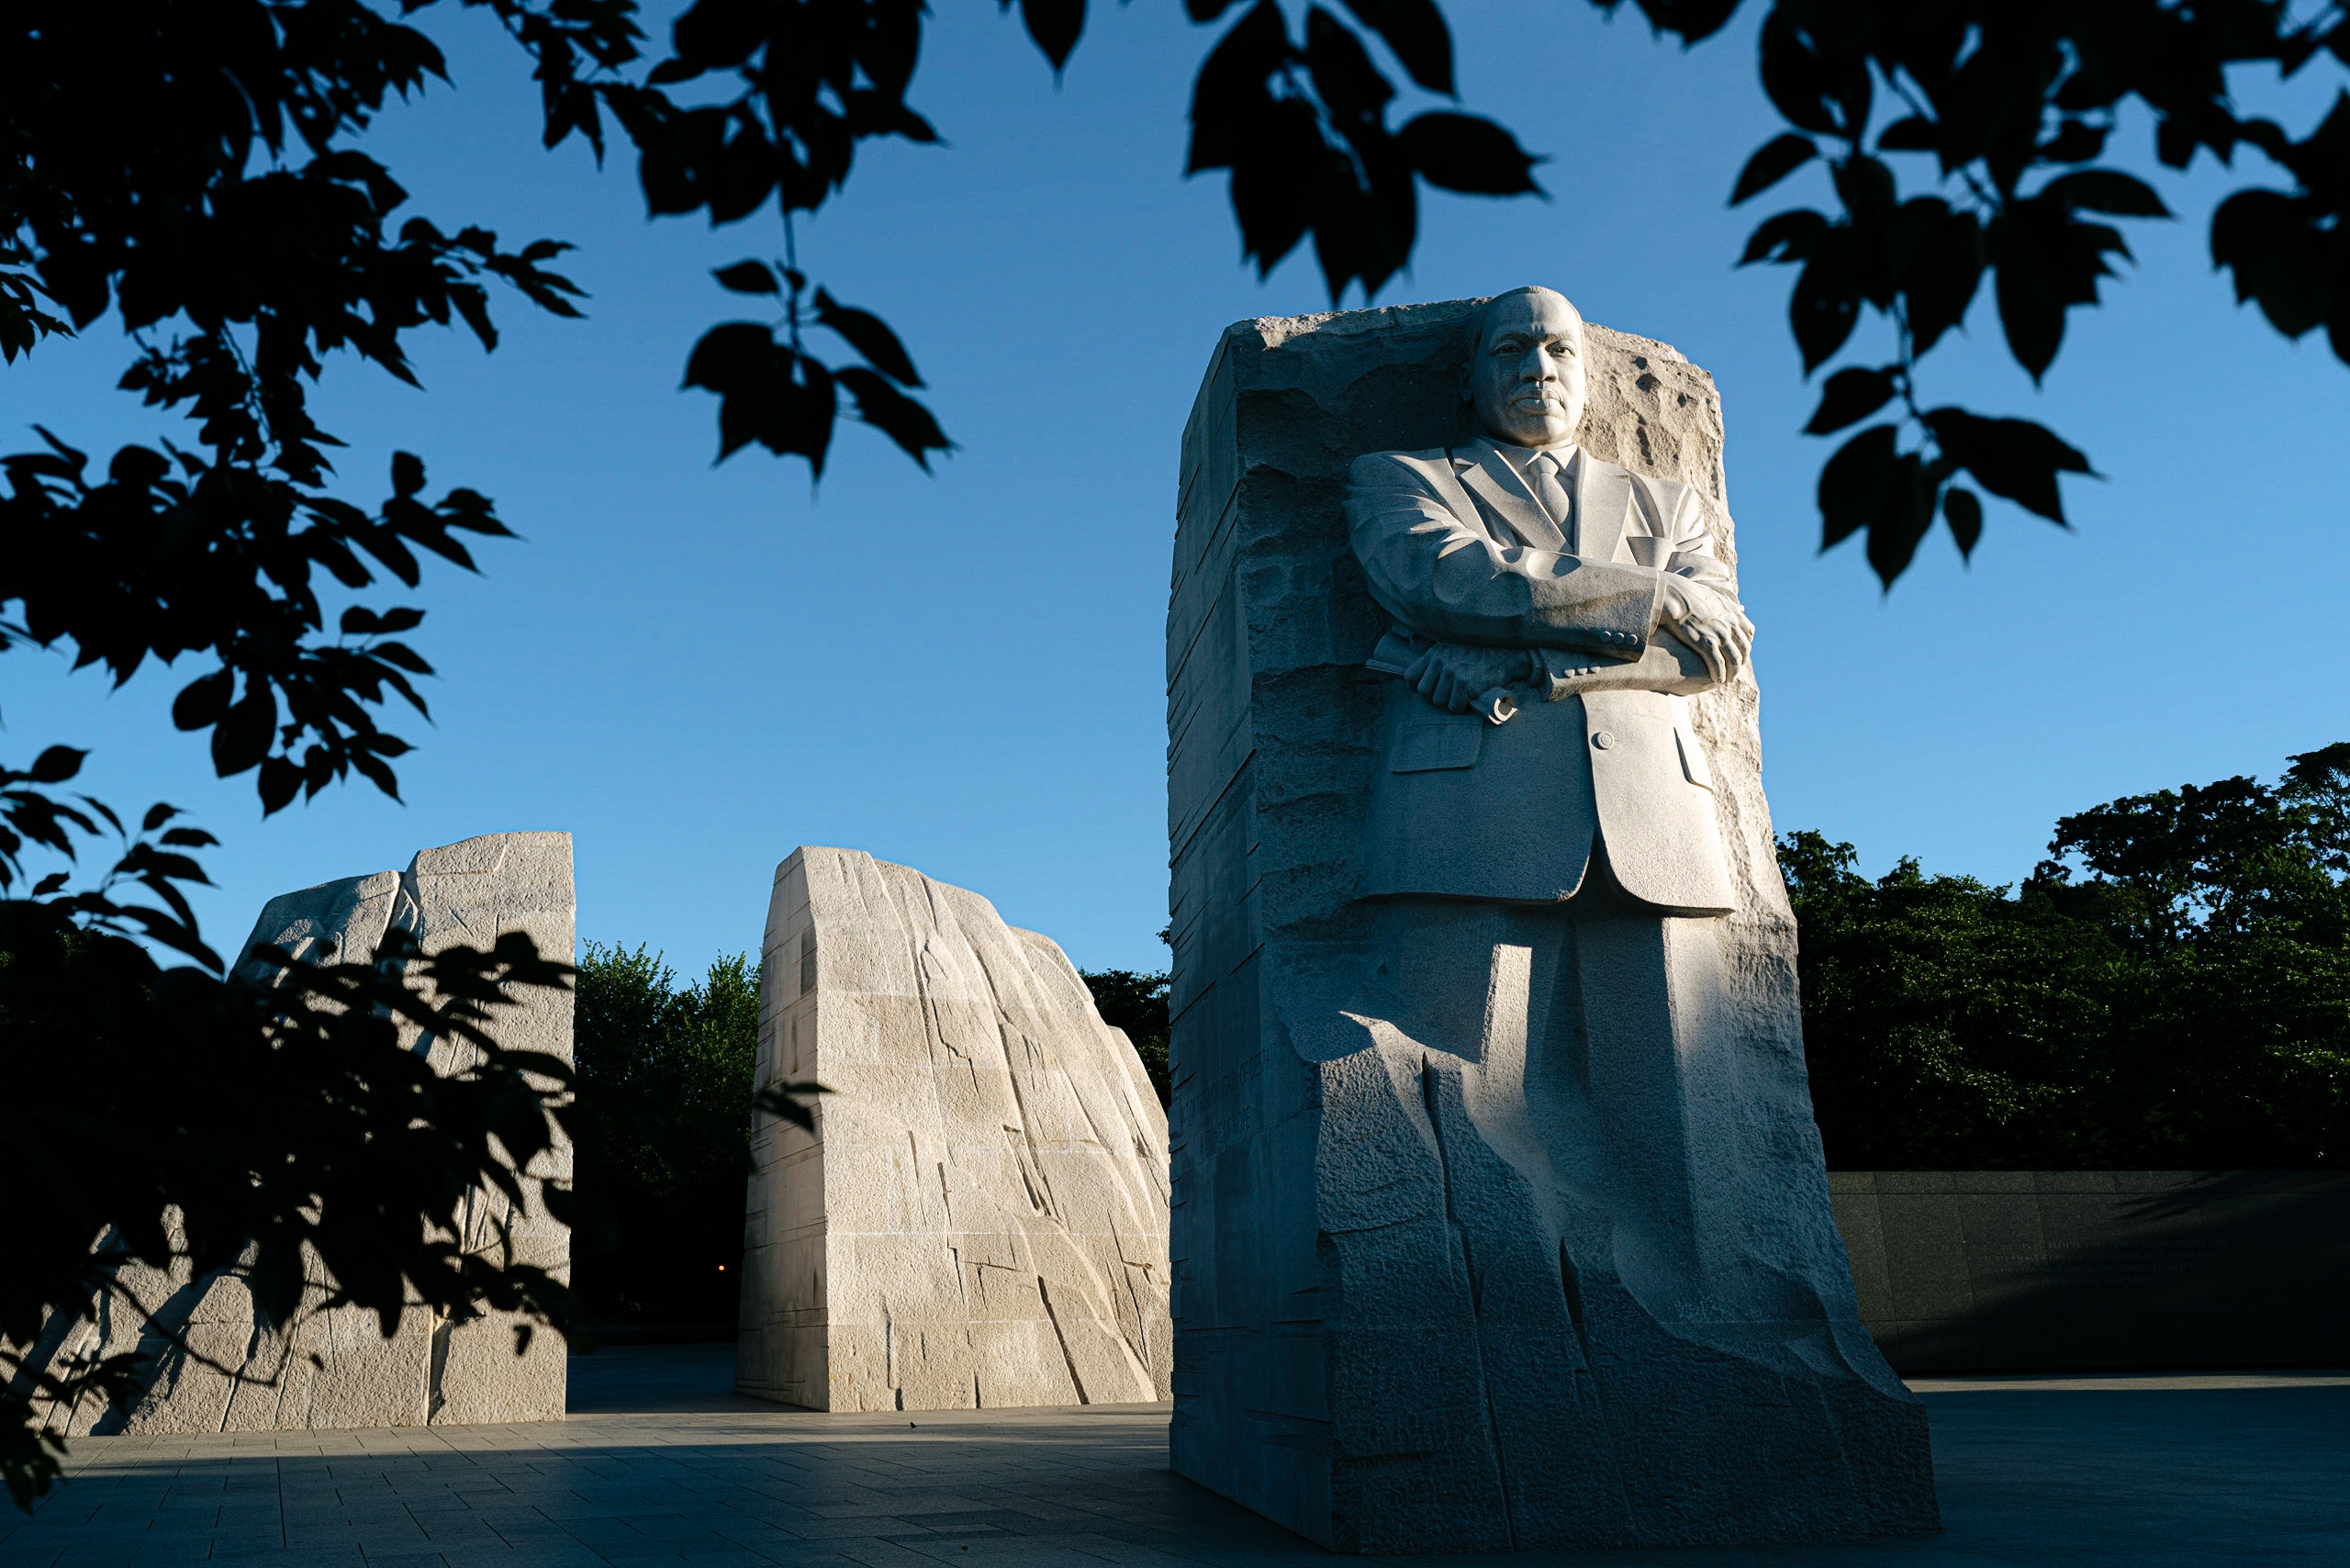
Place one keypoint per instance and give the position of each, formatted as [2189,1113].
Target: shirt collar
[1517,457]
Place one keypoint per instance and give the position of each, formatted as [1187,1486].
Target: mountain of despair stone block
[433,1371]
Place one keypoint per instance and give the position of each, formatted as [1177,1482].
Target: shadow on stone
[2011,1269]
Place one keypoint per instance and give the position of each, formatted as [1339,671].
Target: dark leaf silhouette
[1322,163]
[1849,397]
[1416,30]
[1914,133]
[1463,153]
[1825,305]
[1787,237]
[2012,101]
[1944,271]
[896,415]
[2282,257]
[1773,161]
[56,765]
[1299,125]
[1054,26]
[1964,512]
[868,335]
[2104,190]
[2015,459]
[768,392]
[1856,484]
[749,277]
[1901,523]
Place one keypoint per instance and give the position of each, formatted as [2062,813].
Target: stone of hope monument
[1499,1215]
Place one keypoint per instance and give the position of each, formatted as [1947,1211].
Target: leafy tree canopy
[1137,1003]
[191,161]
[175,1116]
[2169,990]
[662,1126]
[662,1131]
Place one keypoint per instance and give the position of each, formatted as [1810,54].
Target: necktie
[1551,490]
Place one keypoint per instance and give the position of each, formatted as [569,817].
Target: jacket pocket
[1431,745]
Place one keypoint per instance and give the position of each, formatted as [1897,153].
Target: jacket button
[1603,739]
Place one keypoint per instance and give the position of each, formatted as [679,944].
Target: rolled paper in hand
[1650,551]
[1497,704]
[1667,664]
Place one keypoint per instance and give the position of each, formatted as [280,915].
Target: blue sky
[695,668]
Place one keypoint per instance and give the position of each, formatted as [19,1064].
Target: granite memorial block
[333,1367]
[1499,1217]
[980,1217]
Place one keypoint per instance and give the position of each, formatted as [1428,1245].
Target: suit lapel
[1602,496]
[1488,475]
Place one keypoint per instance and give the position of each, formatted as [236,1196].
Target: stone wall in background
[980,1219]
[1972,1270]
[432,1372]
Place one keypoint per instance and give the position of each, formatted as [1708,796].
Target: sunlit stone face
[1526,380]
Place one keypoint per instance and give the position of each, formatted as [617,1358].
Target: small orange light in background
[721,1267]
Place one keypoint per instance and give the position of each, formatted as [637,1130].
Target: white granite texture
[433,1372]
[980,1217]
[1497,1222]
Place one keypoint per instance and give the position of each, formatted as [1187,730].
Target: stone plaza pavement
[661,1462]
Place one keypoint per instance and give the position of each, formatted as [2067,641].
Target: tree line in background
[1136,1002]
[2169,989]
[662,1129]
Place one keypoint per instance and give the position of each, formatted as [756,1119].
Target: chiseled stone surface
[428,1372]
[981,1218]
[1498,1222]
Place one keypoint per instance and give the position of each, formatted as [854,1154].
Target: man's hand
[1453,675]
[1715,628]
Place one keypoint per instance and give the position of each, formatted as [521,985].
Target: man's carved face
[1526,379]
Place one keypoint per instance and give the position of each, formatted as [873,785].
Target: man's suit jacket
[1457,549]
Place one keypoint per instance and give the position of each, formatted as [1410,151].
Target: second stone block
[980,1217]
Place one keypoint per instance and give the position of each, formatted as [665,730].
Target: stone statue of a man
[1517,564]
[1543,841]
[1500,1218]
